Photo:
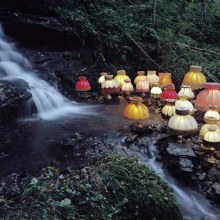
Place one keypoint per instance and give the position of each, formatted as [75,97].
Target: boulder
[13,94]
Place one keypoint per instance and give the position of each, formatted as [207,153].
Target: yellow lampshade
[186,91]
[120,77]
[102,77]
[152,77]
[212,136]
[182,121]
[182,102]
[127,88]
[142,86]
[169,109]
[140,76]
[156,91]
[212,112]
[195,78]
[209,121]
[165,78]
[136,110]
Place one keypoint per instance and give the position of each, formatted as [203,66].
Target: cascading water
[193,205]
[49,102]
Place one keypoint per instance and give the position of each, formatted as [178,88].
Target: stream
[31,143]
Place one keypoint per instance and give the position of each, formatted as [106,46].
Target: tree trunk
[154,13]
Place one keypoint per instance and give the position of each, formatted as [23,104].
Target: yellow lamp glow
[156,91]
[182,121]
[140,76]
[127,88]
[120,77]
[142,86]
[169,109]
[186,91]
[195,78]
[152,77]
[209,121]
[184,103]
[212,136]
[136,110]
[165,78]
[212,112]
[102,77]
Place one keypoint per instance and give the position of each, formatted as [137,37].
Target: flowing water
[49,102]
[31,143]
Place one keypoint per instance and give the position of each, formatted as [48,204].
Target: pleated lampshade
[140,76]
[152,77]
[209,96]
[186,91]
[195,78]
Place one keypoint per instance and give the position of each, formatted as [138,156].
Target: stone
[214,174]
[185,165]
[179,150]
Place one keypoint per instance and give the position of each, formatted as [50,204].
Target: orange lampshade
[136,110]
[194,78]
[140,76]
[209,96]
[165,78]
[142,86]
[120,77]
[152,77]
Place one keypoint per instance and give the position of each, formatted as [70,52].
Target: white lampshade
[212,112]
[186,91]
[182,102]
[212,135]
[102,77]
[127,87]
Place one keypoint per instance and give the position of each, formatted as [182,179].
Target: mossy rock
[114,188]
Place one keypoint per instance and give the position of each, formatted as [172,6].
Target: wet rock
[130,139]
[185,165]
[180,150]
[12,96]
[214,174]
[202,176]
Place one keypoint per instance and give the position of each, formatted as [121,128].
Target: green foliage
[121,32]
[115,188]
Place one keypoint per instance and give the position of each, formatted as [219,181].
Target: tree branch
[198,49]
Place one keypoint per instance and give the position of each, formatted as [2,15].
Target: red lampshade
[209,96]
[169,92]
[82,84]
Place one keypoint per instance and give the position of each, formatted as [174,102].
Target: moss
[114,188]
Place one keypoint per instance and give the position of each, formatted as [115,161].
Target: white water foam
[49,102]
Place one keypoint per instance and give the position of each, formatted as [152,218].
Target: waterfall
[49,102]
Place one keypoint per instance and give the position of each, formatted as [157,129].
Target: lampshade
[156,91]
[102,77]
[209,121]
[186,91]
[120,77]
[110,86]
[152,77]
[169,109]
[182,102]
[165,78]
[127,88]
[142,86]
[194,78]
[212,112]
[212,136]
[136,110]
[140,76]
[169,92]
[209,96]
[182,121]
[82,84]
